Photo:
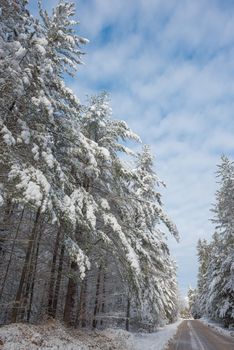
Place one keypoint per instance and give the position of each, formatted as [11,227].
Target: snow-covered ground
[155,341]
[218,327]
[54,336]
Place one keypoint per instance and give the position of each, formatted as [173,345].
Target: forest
[83,228]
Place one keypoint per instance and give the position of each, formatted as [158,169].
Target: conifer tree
[215,291]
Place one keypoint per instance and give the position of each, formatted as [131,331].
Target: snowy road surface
[193,335]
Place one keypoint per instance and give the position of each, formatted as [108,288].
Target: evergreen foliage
[214,296]
[81,231]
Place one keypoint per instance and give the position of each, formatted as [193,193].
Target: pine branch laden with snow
[126,192]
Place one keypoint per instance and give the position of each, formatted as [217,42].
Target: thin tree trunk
[33,276]
[5,223]
[29,276]
[8,211]
[32,237]
[58,282]
[128,313]
[82,304]
[70,297]
[96,305]
[52,274]
[11,254]
[103,295]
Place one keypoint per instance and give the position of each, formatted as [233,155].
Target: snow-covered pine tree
[127,191]
[192,302]
[203,252]
[215,292]
[36,110]
[14,36]
[224,248]
[159,286]
[109,189]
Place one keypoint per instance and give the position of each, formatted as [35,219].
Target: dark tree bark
[96,305]
[82,304]
[58,282]
[51,290]
[128,314]
[8,211]
[11,254]
[31,291]
[103,295]
[16,305]
[30,276]
[70,297]
[5,226]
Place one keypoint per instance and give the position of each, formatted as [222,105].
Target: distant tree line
[214,295]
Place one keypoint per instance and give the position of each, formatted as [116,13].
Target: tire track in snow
[195,337]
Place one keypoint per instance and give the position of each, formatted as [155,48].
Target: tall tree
[215,292]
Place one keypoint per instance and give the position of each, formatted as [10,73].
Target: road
[194,335]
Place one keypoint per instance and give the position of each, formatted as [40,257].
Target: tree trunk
[96,305]
[31,291]
[128,314]
[82,304]
[70,297]
[32,237]
[58,283]
[8,211]
[11,254]
[52,274]
[5,224]
[103,295]
[30,274]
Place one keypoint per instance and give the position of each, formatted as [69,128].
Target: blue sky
[169,67]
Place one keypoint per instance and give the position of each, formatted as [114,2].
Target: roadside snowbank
[218,327]
[55,336]
[158,340]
